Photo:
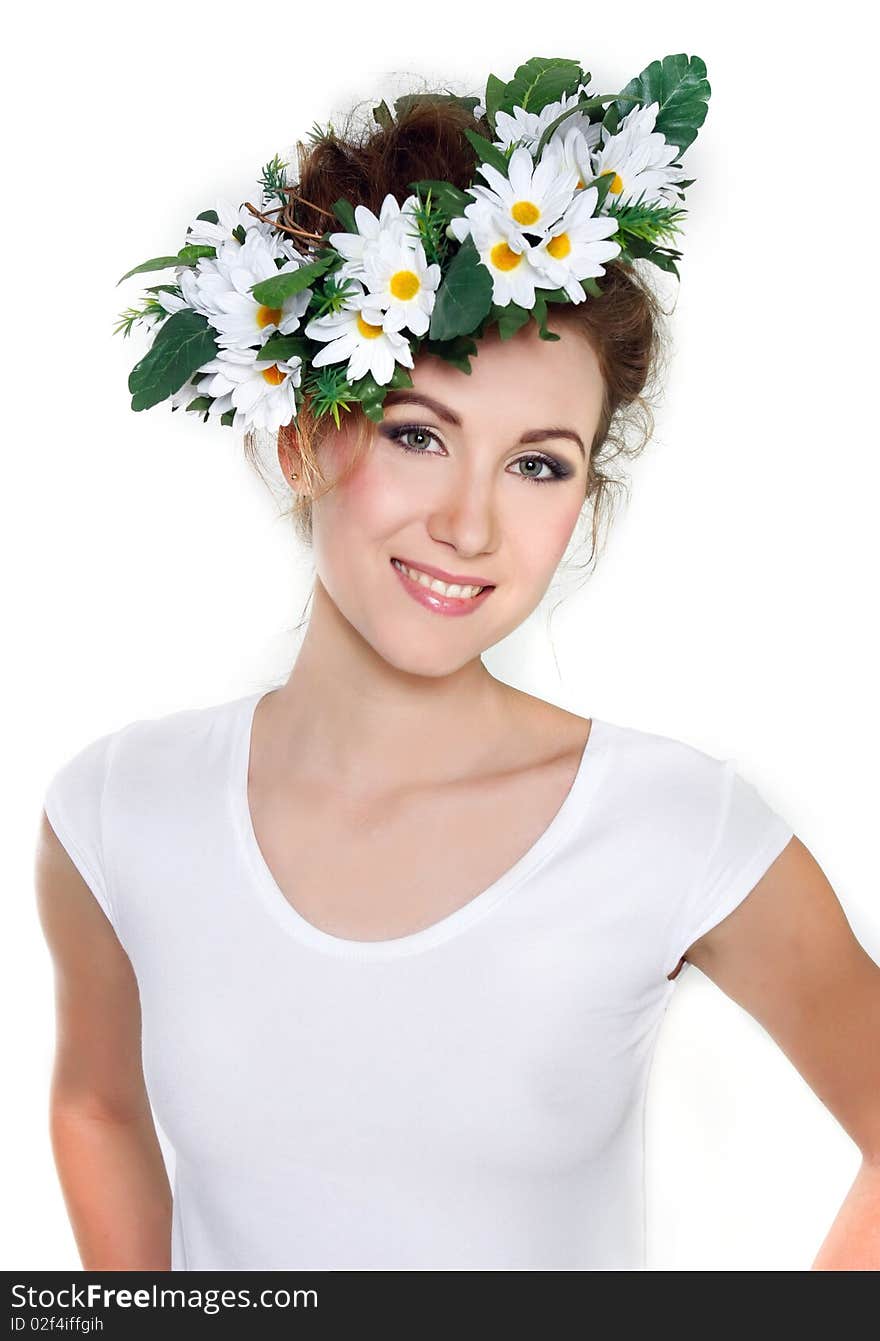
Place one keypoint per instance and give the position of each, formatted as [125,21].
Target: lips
[453,579]
[435,601]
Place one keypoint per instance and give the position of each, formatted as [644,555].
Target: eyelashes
[559,470]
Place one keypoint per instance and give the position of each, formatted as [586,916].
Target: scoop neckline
[586,780]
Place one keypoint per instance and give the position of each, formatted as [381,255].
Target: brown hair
[624,326]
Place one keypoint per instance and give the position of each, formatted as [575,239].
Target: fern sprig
[133,316]
[651,223]
[330,391]
[331,297]
[431,223]
[317,133]
[273,179]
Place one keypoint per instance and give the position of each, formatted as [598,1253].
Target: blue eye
[558,470]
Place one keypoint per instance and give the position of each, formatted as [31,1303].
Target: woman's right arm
[106,1150]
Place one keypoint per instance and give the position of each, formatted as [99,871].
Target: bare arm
[788,956]
[105,1145]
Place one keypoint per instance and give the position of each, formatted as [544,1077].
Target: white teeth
[434,583]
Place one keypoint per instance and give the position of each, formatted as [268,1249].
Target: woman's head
[463,500]
[482,477]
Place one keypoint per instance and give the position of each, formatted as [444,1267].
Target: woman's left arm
[788,956]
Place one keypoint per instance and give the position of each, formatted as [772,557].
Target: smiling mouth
[454,590]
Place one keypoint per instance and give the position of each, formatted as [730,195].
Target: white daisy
[190,390]
[230,217]
[172,302]
[395,220]
[401,281]
[576,151]
[520,127]
[219,288]
[505,253]
[532,196]
[575,247]
[640,160]
[262,394]
[363,334]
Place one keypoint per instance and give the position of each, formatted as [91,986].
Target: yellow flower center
[273,375]
[617,184]
[404,284]
[367,331]
[580,184]
[525,212]
[559,246]
[268,315]
[503,257]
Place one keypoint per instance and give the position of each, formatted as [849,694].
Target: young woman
[385,948]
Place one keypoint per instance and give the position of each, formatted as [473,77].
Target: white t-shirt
[471,1096]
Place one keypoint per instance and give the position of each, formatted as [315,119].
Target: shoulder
[654,763]
[658,757]
[666,794]
[140,745]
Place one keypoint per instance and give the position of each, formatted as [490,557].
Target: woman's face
[484,483]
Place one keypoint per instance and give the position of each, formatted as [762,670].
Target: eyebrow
[403,396]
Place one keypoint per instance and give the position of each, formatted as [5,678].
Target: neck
[347,712]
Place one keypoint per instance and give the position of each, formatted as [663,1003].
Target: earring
[293,475]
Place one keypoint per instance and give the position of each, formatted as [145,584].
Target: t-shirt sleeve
[747,837]
[73,802]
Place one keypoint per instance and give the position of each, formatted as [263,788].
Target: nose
[466,516]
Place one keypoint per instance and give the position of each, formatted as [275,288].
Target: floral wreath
[263,313]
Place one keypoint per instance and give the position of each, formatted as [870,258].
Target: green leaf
[272,292]
[509,319]
[457,352]
[487,151]
[679,85]
[186,256]
[542,80]
[282,347]
[182,344]
[382,115]
[611,119]
[344,211]
[201,404]
[495,91]
[539,312]
[663,257]
[227,418]
[602,184]
[407,101]
[371,394]
[555,296]
[464,296]
[585,104]
[209,216]
[450,199]
[194,252]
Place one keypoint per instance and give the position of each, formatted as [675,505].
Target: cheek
[543,533]
[364,506]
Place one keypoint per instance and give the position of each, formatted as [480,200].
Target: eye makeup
[560,470]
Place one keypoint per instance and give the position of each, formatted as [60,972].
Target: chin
[423,661]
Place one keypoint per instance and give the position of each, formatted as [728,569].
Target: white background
[146,569]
